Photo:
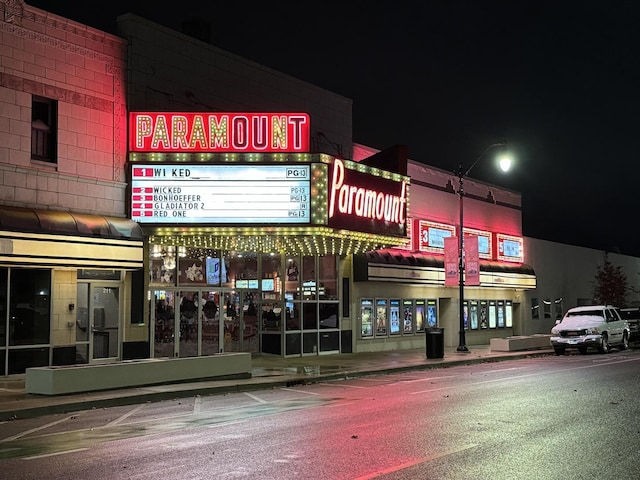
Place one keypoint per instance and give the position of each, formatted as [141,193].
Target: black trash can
[435,342]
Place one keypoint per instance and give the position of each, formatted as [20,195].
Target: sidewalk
[267,372]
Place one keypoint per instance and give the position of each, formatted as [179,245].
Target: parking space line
[403,466]
[426,379]
[41,427]
[125,416]
[300,391]
[339,385]
[197,404]
[255,397]
[35,457]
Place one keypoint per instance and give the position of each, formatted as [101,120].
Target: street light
[461,173]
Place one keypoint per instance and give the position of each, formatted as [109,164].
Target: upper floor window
[43,129]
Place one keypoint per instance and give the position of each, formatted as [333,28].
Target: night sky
[558,80]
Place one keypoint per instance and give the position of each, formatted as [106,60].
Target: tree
[610,284]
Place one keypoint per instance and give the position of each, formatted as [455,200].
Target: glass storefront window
[257,296]
[242,269]
[309,316]
[327,278]
[162,265]
[188,334]
[30,306]
[328,315]
[292,315]
[271,315]
[270,284]
[309,279]
[292,279]
[165,323]
[3,311]
[191,271]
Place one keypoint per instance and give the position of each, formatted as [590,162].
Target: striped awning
[51,238]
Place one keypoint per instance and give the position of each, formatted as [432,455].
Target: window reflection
[29,311]
[328,278]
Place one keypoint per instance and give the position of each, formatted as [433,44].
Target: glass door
[98,322]
[165,323]
[210,330]
[240,315]
[250,324]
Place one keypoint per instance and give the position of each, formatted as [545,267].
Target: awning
[292,240]
[54,238]
[414,268]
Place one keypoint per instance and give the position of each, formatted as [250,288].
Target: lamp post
[461,173]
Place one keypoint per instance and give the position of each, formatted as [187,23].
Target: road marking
[125,416]
[530,375]
[42,427]
[301,391]
[346,386]
[197,405]
[226,424]
[54,454]
[255,397]
[426,379]
[496,371]
[412,463]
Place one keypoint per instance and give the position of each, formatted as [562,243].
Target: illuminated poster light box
[485,245]
[510,248]
[219,132]
[432,235]
[225,194]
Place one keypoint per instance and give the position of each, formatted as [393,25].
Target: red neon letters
[219,132]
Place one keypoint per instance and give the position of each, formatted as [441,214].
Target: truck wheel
[625,342]
[604,344]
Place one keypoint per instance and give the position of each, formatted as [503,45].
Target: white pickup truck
[599,326]
[632,316]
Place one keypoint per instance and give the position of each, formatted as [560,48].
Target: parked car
[632,316]
[599,326]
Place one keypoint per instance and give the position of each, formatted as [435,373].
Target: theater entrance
[196,322]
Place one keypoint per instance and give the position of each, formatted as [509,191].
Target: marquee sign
[227,194]
[219,132]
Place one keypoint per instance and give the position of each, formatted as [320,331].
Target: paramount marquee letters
[219,132]
[365,203]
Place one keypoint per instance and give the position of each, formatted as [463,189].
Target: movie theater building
[248,234]
[257,245]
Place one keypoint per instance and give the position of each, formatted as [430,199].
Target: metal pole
[461,173]
[462,347]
